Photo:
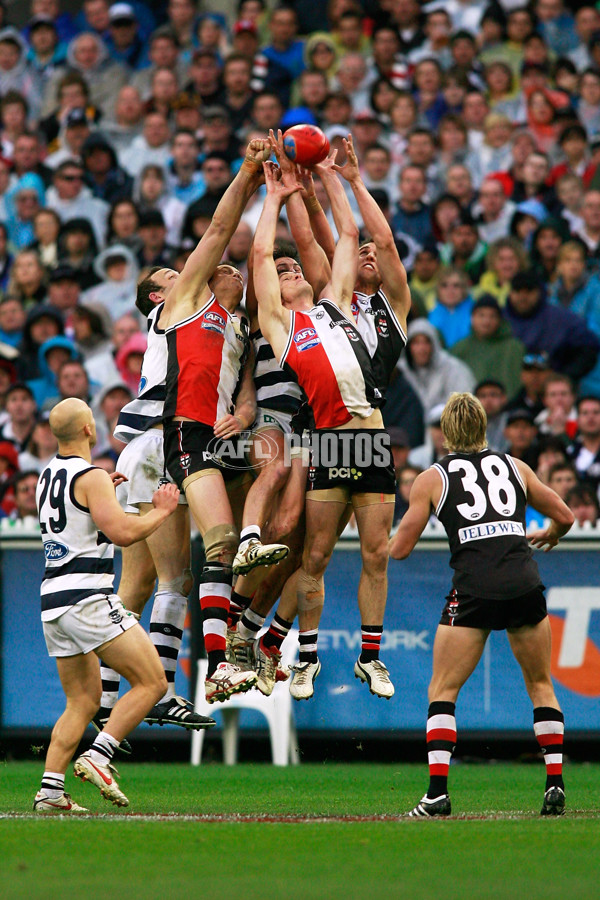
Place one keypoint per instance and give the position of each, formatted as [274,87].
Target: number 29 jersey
[79,558]
[482,508]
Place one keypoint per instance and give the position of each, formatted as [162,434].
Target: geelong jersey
[381,331]
[331,362]
[276,389]
[482,508]
[79,558]
[206,353]
[146,411]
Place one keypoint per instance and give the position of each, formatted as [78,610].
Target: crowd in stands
[477,126]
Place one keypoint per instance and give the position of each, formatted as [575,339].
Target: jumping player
[480,498]
[324,349]
[80,519]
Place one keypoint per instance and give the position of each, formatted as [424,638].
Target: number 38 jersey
[79,558]
[482,508]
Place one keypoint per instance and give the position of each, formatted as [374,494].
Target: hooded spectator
[23,202]
[42,323]
[118,270]
[16,74]
[51,355]
[102,172]
[129,360]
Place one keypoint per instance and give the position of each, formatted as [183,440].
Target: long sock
[215,594]
[249,533]
[277,633]
[166,632]
[549,728]
[308,646]
[238,604]
[371,642]
[53,784]
[103,748]
[441,741]
[250,624]
[111,682]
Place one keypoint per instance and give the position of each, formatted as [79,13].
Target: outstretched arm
[203,261]
[273,319]
[416,517]
[318,220]
[546,501]
[315,264]
[393,273]
[345,259]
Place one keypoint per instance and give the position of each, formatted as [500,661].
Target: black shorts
[358,460]
[191,447]
[495,615]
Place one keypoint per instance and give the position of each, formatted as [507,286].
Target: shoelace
[381,669]
[301,673]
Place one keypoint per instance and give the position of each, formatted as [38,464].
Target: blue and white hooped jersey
[79,558]
[146,410]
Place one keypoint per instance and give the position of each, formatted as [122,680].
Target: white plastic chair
[277,709]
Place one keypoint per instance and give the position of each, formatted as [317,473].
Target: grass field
[495,846]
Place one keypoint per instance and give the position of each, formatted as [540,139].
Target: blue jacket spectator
[51,355]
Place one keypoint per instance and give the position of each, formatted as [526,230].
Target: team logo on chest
[381,325]
[351,332]
[306,338]
[212,321]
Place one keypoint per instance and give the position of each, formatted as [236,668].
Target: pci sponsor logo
[213,322]
[306,339]
[341,639]
[53,550]
[575,656]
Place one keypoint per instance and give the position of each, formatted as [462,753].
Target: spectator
[459,184]
[205,78]
[424,278]
[124,41]
[46,228]
[124,328]
[16,73]
[12,321]
[92,328]
[127,121]
[571,347]
[27,279]
[72,93]
[14,112]
[551,450]
[559,415]
[27,156]
[74,133]
[562,479]
[431,371]
[218,136]
[78,249]
[534,372]
[464,249]
[72,381]
[21,409]
[64,291]
[46,49]
[403,409]
[9,465]
[492,396]
[185,180]
[71,199]
[495,211]
[520,434]
[118,270]
[123,225]
[163,53]
[433,449]
[41,447]
[102,172]
[556,25]
[181,15]
[583,503]
[490,350]
[412,213]
[51,355]
[129,360]
[25,484]
[153,233]
[267,111]
[532,185]
[589,232]
[584,452]
[377,171]
[108,403]
[545,246]
[505,258]
[285,49]
[23,202]
[164,93]
[150,147]
[237,95]
[405,478]
[452,313]
[151,193]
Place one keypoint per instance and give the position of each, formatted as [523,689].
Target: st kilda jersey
[381,331]
[329,357]
[206,352]
[482,508]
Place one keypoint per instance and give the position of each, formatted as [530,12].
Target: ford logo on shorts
[53,550]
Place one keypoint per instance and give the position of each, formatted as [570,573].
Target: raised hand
[275,185]
[166,497]
[288,168]
[258,151]
[350,171]
[327,167]
[307,181]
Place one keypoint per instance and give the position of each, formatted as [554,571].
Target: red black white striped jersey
[381,331]
[205,355]
[332,365]
[79,558]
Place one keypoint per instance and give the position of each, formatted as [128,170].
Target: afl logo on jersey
[214,322]
[306,339]
[53,551]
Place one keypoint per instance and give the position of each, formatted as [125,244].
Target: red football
[305,145]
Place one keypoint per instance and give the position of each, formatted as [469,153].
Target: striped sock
[277,633]
[236,608]
[308,646]
[111,682]
[549,728]
[53,784]
[249,533]
[441,740]
[166,632]
[371,642]
[250,624]
[103,748]
[215,593]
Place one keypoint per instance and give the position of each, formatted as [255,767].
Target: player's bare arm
[393,273]
[318,220]
[273,318]
[315,264]
[95,491]
[546,501]
[424,496]
[345,259]
[191,289]
[244,412]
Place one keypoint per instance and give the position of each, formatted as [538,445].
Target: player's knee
[159,685]
[181,584]
[275,474]
[310,592]
[220,544]
[375,558]
[315,560]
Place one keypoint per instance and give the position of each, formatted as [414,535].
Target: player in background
[480,498]
[80,520]
[166,553]
[208,365]
[326,352]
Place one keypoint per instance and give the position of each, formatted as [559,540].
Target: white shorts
[270,418]
[87,625]
[143,463]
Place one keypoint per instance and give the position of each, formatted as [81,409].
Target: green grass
[495,847]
